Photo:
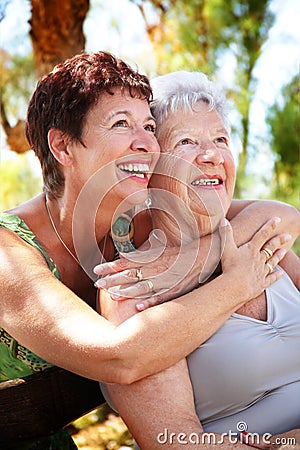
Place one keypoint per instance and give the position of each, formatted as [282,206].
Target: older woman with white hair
[246,377]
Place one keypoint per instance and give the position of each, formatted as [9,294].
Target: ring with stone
[139,274]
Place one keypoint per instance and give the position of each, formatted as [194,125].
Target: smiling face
[196,154]
[119,145]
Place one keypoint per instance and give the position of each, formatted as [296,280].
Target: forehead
[119,101]
[200,118]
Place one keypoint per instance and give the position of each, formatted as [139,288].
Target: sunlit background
[118,26]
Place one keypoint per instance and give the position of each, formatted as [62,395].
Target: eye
[121,124]
[221,140]
[185,141]
[150,127]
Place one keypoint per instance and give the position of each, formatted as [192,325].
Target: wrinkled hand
[174,271]
[167,271]
[250,266]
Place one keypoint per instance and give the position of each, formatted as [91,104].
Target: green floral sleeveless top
[16,360]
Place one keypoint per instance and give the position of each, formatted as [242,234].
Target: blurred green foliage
[284,121]
[17,82]
[101,429]
[18,182]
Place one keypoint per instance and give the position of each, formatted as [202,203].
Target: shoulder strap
[18,226]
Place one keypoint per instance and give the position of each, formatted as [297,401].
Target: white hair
[181,90]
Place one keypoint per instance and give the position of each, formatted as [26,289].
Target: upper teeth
[138,169]
[206,181]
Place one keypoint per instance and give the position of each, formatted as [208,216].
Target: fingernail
[115,296]
[140,306]
[287,236]
[277,219]
[100,283]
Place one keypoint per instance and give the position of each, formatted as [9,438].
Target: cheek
[230,172]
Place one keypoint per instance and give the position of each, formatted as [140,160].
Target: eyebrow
[222,130]
[126,113]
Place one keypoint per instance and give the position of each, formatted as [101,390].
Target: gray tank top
[247,375]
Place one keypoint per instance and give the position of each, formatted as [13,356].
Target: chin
[134,198]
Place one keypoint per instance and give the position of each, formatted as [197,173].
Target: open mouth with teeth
[207,182]
[136,170]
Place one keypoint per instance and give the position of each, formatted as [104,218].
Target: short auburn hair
[63,98]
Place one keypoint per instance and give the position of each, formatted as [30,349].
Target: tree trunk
[56,31]
[56,34]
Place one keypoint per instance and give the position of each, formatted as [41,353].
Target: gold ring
[150,285]
[269,267]
[267,252]
[139,274]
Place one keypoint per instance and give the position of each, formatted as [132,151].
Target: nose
[144,141]
[208,153]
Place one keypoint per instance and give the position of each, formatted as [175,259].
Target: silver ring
[139,274]
[269,267]
[150,285]
[267,252]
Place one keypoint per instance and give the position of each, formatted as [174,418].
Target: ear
[58,144]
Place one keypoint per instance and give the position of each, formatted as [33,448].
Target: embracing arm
[49,319]
[246,216]
[180,270]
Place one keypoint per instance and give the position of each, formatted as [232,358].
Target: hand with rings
[132,281]
[154,281]
[253,263]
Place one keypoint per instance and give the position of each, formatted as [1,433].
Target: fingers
[121,278]
[226,234]
[115,266]
[132,260]
[275,243]
[272,277]
[276,258]
[137,290]
[148,302]
[271,274]
[272,252]
[265,233]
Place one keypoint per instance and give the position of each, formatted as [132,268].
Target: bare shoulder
[20,264]
[14,250]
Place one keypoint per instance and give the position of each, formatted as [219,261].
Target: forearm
[253,214]
[159,337]
[55,324]
[160,402]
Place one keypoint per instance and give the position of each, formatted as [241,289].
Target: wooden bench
[40,404]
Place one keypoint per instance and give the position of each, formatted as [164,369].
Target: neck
[182,228]
[75,233]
